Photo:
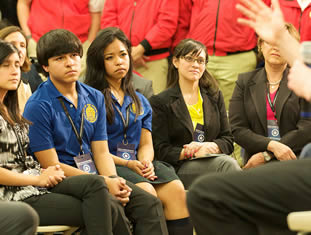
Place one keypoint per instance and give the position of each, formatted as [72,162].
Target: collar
[303,4]
[54,93]
[126,101]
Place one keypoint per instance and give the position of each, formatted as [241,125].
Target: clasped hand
[51,176]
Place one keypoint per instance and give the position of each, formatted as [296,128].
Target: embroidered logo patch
[133,109]
[90,113]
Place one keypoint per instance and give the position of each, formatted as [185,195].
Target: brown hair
[12,29]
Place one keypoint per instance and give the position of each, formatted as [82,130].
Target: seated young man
[69,128]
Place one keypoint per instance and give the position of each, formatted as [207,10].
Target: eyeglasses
[191,59]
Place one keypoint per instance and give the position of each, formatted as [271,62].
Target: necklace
[274,84]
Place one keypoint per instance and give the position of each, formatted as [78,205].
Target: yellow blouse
[196,111]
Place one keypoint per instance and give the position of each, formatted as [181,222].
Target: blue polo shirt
[116,130]
[51,128]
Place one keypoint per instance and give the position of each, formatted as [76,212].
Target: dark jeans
[17,218]
[82,201]
[255,201]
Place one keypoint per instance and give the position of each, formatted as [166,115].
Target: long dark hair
[9,109]
[193,47]
[13,29]
[96,73]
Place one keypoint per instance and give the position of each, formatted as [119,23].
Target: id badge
[198,134]
[85,163]
[273,130]
[126,151]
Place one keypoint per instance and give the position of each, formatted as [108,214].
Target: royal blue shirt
[116,130]
[51,128]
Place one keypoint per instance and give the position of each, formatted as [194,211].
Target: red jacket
[301,20]
[214,23]
[72,15]
[149,22]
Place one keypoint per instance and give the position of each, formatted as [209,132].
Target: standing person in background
[37,17]
[150,26]
[190,119]
[298,12]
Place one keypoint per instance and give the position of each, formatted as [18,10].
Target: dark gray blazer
[172,126]
[142,85]
[248,114]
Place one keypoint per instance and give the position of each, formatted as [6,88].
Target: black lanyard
[272,105]
[125,121]
[78,135]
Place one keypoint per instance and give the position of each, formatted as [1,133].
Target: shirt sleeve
[40,131]
[96,5]
[147,120]
[110,15]
[101,127]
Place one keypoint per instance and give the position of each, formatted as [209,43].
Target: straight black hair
[96,73]
[55,43]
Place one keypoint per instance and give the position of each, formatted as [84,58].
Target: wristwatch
[266,156]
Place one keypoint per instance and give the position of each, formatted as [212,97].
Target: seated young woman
[190,119]
[109,69]
[82,201]
[267,119]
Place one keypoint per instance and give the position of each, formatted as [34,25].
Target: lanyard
[125,121]
[272,105]
[80,134]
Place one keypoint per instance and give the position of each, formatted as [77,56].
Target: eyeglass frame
[191,59]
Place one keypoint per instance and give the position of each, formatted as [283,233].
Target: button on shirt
[51,127]
[116,130]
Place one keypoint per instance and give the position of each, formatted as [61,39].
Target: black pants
[255,201]
[17,218]
[82,201]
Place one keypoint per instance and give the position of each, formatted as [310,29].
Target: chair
[300,222]
[50,230]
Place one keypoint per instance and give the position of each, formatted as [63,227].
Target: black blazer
[172,126]
[248,114]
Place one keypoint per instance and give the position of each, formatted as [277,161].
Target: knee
[227,164]
[174,192]
[26,216]
[148,188]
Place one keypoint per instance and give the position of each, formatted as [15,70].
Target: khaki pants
[225,70]
[157,73]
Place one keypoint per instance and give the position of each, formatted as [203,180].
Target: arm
[49,157]
[95,25]
[165,25]
[269,25]
[49,177]
[109,17]
[163,148]
[103,159]
[23,11]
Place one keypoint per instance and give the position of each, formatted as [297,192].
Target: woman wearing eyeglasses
[190,128]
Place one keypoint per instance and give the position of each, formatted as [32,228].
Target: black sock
[180,227]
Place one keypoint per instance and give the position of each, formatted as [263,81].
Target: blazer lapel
[180,109]
[258,87]
[283,95]
[207,108]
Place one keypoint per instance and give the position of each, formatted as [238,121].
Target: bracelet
[126,164]
[113,176]
[29,36]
